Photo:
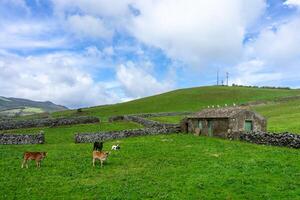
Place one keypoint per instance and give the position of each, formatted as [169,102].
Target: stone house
[223,122]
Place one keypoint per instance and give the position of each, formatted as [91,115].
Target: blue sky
[91,52]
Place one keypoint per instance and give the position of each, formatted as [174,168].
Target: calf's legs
[24,161]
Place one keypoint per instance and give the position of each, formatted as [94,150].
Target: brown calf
[37,156]
[100,155]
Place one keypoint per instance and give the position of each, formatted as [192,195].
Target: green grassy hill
[177,166]
[191,99]
[281,115]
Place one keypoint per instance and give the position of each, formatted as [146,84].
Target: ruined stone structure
[222,122]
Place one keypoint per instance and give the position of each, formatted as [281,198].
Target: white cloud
[58,77]
[280,45]
[292,3]
[89,26]
[29,35]
[138,82]
[196,32]
[105,8]
[253,72]
[273,57]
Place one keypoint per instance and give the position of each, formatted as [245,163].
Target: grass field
[159,167]
[177,166]
[282,116]
[25,111]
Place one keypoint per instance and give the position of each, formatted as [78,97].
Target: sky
[82,53]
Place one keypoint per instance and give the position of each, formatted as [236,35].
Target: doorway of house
[210,127]
[248,125]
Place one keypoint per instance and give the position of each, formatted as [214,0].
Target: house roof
[218,112]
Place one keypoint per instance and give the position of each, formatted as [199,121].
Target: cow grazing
[100,155]
[37,156]
[98,146]
[115,147]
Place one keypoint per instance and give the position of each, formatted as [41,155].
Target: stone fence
[22,138]
[163,114]
[147,115]
[52,122]
[104,136]
[152,128]
[284,139]
[140,120]
[146,122]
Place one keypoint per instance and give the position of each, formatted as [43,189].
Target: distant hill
[189,99]
[17,106]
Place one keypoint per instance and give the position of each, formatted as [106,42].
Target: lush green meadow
[152,167]
[282,116]
[177,166]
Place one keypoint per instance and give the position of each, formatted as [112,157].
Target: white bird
[208,106]
[218,106]
[234,104]
[212,106]
[225,105]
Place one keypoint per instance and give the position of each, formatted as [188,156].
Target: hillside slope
[191,99]
[18,106]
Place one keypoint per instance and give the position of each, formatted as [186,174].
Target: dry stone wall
[22,138]
[146,122]
[52,122]
[163,114]
[284,139]
[103,136]
[140,120]
[147,115]
[151,128]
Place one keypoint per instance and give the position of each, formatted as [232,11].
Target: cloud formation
[196,32]
[82,53]
[56,77]
[88,26]
[137,82]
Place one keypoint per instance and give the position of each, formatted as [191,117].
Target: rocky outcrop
[51,122]
[22,138]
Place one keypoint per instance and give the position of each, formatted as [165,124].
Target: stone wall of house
[52,122]
[22,138]
[103,136]
[276,139]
